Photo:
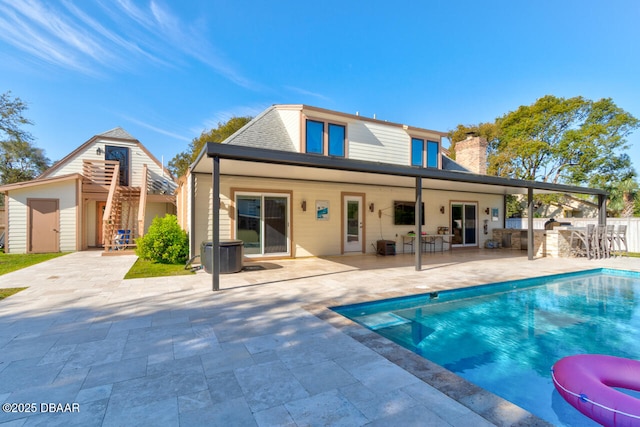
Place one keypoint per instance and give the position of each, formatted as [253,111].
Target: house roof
[250,152]
[117,133]
[253,135]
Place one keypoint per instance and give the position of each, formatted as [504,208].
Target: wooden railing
[99,172]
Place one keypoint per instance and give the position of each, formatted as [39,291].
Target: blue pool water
[505,337]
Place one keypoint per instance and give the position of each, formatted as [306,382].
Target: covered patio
[219,160]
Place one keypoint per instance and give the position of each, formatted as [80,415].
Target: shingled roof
[118,133]
[265,131]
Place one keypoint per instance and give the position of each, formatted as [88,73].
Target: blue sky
[165,71]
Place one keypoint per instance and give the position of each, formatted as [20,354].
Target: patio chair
[609,240]
[598,242]
[579,242]
[620,237]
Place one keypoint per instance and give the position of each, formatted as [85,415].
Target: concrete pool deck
[264,350]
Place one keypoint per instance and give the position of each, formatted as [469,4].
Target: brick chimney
[472,154]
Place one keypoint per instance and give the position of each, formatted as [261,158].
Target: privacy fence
[633,226]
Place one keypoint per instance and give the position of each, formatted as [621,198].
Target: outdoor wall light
[487,211]
[442,209]
[371,207]
[99,151]
[303,205]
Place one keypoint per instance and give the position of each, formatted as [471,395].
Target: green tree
[569,141]
[558,140]
[179,165]
[488,131]
[623,197]
[20,160]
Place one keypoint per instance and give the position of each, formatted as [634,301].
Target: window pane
[416,151]
[314,136]
[336,140]
[432,154]
[248,223]
[275,225]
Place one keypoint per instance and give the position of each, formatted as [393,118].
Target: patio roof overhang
[241,161]
[233,160]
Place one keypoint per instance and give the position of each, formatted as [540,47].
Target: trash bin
[231,254]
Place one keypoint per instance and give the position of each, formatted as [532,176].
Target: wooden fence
[633,226]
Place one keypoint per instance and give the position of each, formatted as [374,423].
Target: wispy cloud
[307,93]
[117,35]
[33,28]
[155,128]
[223,116]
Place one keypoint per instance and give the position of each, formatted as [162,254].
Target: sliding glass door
[464,220]
[262,223]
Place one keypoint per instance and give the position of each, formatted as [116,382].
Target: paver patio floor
[262,351]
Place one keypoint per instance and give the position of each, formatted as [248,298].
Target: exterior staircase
[120,223]
[124,212]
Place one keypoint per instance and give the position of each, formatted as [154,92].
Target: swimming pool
[505,337]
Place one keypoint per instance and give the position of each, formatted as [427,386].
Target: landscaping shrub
[165,242]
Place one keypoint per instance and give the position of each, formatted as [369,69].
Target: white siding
[312,237]
[378,143]
[18,212]
[291,120]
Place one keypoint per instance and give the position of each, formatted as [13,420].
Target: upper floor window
[325,138]
[315,137]
[336,140]
[424,153]
[433,152]
[417,151]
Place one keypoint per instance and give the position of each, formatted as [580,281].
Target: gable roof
[266,130]
[115,134]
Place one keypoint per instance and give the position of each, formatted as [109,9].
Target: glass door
[275,225]
[121,154]
[262,223]
[464,222]
[352,207]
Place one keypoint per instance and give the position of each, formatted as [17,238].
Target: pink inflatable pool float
[586,381]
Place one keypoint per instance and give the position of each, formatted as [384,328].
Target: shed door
[44,225]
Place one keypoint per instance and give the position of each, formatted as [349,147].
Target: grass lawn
[13,262]
[143,268]
[7,292]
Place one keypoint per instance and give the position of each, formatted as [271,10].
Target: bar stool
[620,237]
[579,242]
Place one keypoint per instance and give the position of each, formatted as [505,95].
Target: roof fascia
[259,155]
[40,181]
